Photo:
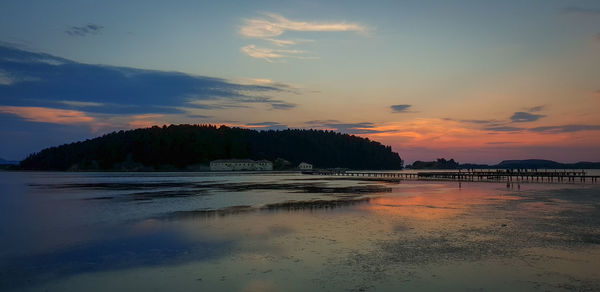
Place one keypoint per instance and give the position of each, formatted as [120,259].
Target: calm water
[289,232]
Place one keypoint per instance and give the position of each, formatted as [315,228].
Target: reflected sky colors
[478,81]
[289,232]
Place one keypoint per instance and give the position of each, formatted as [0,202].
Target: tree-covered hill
[182,146]
[440,163]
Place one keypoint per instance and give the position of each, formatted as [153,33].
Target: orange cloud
[445,134]
[48,115]
[146,120]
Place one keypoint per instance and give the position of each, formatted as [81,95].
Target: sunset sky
[477,81]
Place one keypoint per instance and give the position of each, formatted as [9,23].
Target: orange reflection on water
[427,204]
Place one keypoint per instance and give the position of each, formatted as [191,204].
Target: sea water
[293,232]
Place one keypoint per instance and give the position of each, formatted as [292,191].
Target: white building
[305,166]
[240,164]
[264,165]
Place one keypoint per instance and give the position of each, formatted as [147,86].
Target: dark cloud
[400,108]
[217,105]
[478,121]
[280,105]
[565,128]
[545,129]
[503,129]
[521,117]
[38,79]
[577,10]
[537,108]
[84,30]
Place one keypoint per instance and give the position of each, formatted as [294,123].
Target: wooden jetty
[499,175]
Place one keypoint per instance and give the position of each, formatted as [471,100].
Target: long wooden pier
[500,175]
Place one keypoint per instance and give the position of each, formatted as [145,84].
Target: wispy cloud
[282,105]
[74,103]
[503,129]
[84,30]
[522,117]
[566,128]
[480,122]
[241,102]
[282,43]
[270,55]
[48,115]
[401,108]
[288,42]
[273,25]
[274,103]
[505,125]
[269,84]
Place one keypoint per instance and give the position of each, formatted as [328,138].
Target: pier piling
[510,176]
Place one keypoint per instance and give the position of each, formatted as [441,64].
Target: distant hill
[179,147]
[536,163]
[529,163]
[540,163]
[512,164]
[440,163]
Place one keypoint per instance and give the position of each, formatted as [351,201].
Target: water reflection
[309,205]
[436,201]
[124,252]
[287,232]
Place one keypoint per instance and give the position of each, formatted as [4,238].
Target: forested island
[192,147]
[440,163]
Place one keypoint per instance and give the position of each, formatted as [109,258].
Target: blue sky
[412,74]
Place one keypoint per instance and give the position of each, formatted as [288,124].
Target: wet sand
[340,236]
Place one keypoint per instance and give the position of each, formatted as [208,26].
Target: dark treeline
[440,163]
[182,146]
[537,164]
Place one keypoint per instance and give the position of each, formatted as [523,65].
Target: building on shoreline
[240,164]
[305,166]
